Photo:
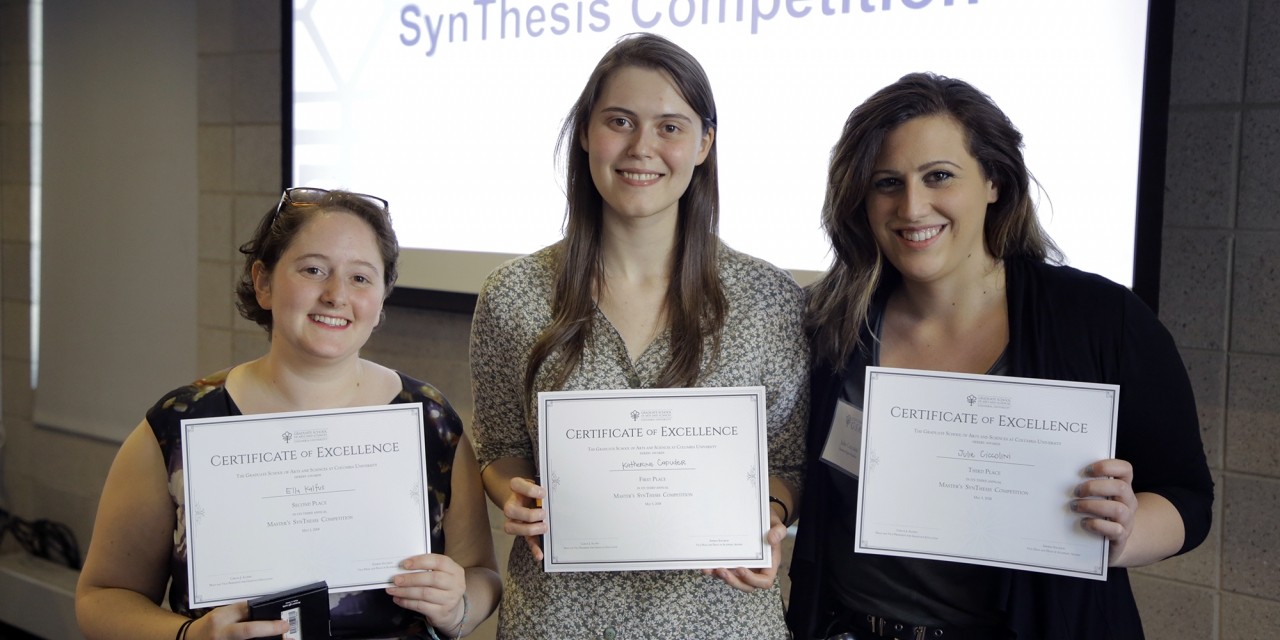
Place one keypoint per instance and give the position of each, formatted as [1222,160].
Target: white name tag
[293,618]
[844,440]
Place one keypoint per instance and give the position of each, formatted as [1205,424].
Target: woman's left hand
[433,588]
[1113,516]
[751,580]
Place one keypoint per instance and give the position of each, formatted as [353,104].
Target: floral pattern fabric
[358,614]
[762,343]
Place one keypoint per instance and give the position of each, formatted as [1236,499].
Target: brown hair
[695,302]
[281,225]
[839,302]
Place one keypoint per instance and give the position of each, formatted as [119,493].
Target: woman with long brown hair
[639,293]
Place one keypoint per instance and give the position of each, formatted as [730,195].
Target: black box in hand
[305,608]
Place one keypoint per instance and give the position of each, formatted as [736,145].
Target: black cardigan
[1064,324]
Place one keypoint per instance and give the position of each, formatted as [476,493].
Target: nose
[915,203]
[335,293]
[641,144]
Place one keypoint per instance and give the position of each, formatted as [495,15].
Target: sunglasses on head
[306,196]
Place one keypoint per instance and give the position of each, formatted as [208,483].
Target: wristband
[462,622]
[182,631]
[456,631]
[786,513]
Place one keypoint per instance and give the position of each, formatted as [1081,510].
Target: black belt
[854,625]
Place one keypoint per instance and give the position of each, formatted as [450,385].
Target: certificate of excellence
[641,479]
[980,469]
[274,501]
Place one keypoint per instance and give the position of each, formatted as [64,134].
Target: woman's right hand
[232,623]
[525,516]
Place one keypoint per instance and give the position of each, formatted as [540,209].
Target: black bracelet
[786,513]
[182,631]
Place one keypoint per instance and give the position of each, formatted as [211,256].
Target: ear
[262,284]
[993,192]
[704,145]
[582,140]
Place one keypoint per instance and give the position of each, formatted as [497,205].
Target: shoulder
[1070,291]
[415,390]
[534,270]
[438,415]
[192,400]
[1073,306]
[749,279]
[206,397]
[1065,277]
[515,299]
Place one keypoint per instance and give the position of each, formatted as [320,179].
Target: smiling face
[643,141]
[326,292]
[928,202]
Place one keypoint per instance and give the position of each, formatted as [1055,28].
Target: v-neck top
[931,592]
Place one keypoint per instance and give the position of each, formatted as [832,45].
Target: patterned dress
[358,614]
[762,343]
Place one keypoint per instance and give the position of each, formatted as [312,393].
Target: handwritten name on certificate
[980,469]
[641,479]
[273,501]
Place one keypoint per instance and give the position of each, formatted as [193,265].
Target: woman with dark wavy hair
[639,293]
[941,264]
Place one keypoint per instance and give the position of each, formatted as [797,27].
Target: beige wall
[1220,294]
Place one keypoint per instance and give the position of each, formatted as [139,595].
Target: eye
[886,184]
[937,177]
[671,128]
[312,270]
[619,122]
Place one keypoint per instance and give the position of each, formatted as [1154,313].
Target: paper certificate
[273,501]
[654,479]
[980,469]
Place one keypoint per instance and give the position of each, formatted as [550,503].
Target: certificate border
[873,373]
[546,398]
[419,437]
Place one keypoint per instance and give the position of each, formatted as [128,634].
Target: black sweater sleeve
[1070,325]
[1159,428]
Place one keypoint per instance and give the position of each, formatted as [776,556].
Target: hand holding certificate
[278,500]
[989,463]
[655,479]
[291,467]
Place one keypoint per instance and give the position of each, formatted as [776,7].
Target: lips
[920,235]
[639,176]
[330,320]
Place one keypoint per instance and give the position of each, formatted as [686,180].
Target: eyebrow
[321,256]
[627,112]
[928,165]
